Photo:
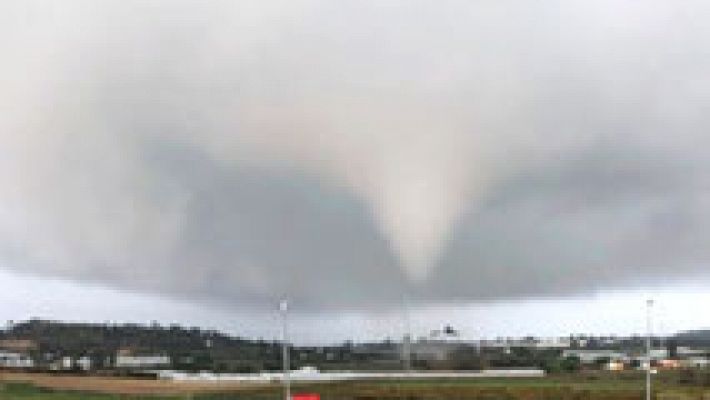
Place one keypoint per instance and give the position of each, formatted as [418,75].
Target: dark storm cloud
[349,154]
[256,234]
[609,218]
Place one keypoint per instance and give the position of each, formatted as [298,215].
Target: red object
[306,396]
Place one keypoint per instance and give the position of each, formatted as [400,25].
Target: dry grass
[124,385]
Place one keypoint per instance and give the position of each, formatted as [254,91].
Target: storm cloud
[348,154]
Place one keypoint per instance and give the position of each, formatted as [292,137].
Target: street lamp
[407,339]
[283,308]
[649,306]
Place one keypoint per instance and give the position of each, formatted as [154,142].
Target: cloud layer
[349,154]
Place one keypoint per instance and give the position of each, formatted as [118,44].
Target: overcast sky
[462,157]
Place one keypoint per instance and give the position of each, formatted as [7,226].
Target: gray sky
[611,312]
[350,155]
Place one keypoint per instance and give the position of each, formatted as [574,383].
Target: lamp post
[407,339]
[649,306]
[283,308]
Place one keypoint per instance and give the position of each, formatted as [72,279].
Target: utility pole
[649,306]
[407,339]
[283,308]
[407,352]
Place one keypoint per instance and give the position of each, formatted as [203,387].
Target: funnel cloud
[346,154]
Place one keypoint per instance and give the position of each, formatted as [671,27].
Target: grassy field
[572,387]
[27,391]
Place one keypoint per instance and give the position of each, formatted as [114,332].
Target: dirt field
[123,385]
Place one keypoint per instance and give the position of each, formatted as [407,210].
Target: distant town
[128,349]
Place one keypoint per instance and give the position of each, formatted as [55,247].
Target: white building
[553,343]
[15,360]
[439,346]
[151,361]
[529,343]
[685,351]
[591,356]
[659,354]
[695,362]
[84,363]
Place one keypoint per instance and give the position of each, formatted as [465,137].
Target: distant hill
[189,348]
[694,338]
